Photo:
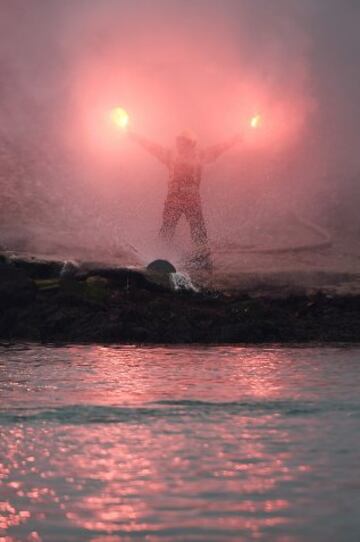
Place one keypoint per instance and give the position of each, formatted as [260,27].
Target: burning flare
[255,121]
[119,117]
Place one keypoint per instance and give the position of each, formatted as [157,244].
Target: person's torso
[185,174]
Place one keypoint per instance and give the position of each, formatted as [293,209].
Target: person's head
[186,142]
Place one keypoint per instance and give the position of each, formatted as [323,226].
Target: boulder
[161,266]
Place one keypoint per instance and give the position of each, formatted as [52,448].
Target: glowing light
[255,121]
[119,117]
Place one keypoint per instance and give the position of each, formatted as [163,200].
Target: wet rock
[138,334]
[48,284]
[97,289]
[230,333]
[161,266]
[135,279]
[97,281]
[72,291]
[121,278]
[158,281]
[163,274]
[181,282]
[90,292]
[37,269]
[16,288]
[102,304]
[69,270]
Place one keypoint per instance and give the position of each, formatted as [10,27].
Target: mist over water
[69,179]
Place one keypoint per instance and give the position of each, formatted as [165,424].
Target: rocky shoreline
[39,302]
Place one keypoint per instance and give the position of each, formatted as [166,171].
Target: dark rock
[97,289]
[16,288]
[72,291]
[230,333]
[38,269]
[138,334]
[48,284]
[69,270]
[137,305]
[161,266]
[120,277]
[100,282]
[158,281]
[134,279]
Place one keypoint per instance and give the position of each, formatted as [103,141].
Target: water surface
[179,444]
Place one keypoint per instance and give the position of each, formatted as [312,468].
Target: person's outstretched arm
[210,154]
[160,152]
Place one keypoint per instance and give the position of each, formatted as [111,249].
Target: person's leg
[171,215]
[194,216]
[201,258]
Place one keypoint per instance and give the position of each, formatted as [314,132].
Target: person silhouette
[185,164]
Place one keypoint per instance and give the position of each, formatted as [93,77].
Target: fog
[70,179]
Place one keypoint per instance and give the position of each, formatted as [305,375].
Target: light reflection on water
[115,444]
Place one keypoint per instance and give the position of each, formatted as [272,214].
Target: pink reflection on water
[136,375]
[217,470]
[108,486]
[130,376]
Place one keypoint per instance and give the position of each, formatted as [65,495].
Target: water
[179,444]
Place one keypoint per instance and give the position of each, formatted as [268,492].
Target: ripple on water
[210,444]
